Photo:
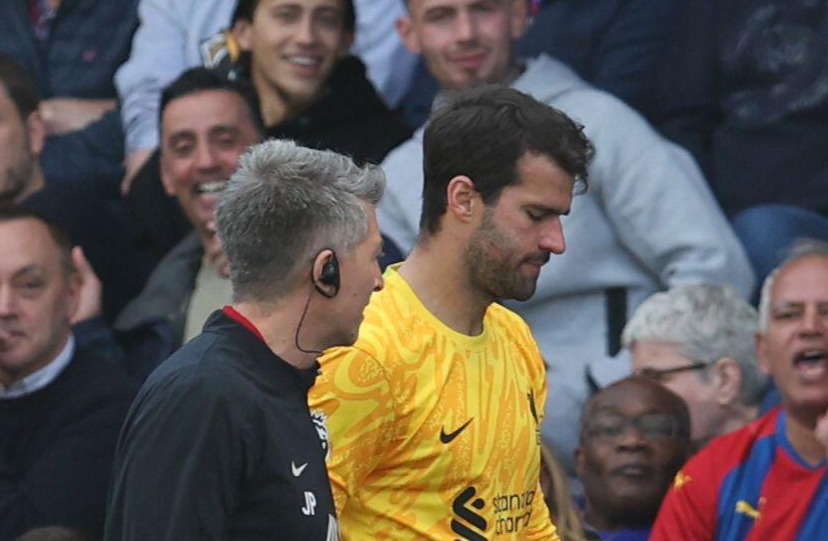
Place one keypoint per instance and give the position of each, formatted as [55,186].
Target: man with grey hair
[220,442]
[709,330]
[768,479]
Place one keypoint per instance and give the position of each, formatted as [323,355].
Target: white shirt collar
[40,378]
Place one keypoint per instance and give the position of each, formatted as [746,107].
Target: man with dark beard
[434,414]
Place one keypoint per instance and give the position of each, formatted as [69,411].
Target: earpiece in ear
[329,277]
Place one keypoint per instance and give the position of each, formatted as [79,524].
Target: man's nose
[552,237]
[8,301]
[206,156]
[306,31]
[465,27]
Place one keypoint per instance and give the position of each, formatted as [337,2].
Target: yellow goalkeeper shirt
[434,434]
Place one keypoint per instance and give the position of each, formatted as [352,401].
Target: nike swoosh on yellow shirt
[449,437]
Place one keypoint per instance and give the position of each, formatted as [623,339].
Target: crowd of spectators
[671,321]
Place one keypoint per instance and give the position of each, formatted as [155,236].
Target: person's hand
[821,431]
[89,297]
[133,163]
[65,115]
[214,252]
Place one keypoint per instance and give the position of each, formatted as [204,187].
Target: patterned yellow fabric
[434,434]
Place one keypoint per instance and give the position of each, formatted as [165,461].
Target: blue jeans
[768,232]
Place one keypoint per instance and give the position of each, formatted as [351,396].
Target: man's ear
[36,132]
[166,178]
[519,19]
[408,35]
[462,200]
[74,288]
[241,33]
[762,354]
[728,380]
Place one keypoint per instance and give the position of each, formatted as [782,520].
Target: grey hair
[285,204]
[707,322]
[802,248]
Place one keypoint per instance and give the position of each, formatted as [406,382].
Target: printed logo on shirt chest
[468,523]
[448,437]
[745,508]
[297,470]
[320,424]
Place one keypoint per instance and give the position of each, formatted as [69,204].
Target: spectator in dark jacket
[62,399]
[72,48]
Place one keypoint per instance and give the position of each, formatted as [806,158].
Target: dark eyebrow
[31,268]
[180,135]
[546,210]
[224,129]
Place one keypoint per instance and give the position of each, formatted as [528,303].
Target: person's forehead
[634,397]
[8,110]
[655,352]
[802,280]
[205,108]
[26,241]
[423,5]
[303,4]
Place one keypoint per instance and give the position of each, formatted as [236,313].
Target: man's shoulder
[207,366]
[170,282]
[731,450]
[555,84]
[387,318]
[500,315]
[92,375]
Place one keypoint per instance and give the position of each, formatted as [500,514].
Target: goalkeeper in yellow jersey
[433,416]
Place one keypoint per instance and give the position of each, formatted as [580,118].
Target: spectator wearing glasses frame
[698,340]
[635,435]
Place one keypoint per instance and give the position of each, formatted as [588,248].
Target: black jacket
[219,444]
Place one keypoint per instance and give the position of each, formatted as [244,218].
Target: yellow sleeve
[353,395]
[541,525]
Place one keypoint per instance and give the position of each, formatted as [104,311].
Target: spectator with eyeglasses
[698,340]
[635,435]
[769,480]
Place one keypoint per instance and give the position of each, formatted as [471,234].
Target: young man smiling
[310,88]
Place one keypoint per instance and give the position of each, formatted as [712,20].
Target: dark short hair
[482,133]
[245,8]
[12,211]
[201,79]
[19,85]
